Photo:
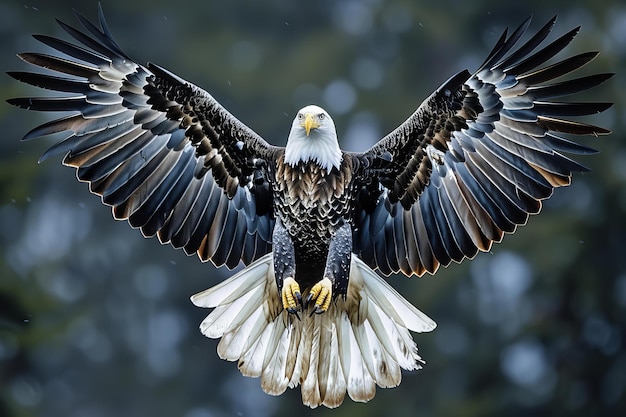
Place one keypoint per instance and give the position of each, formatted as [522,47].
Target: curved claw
[322,294]
[291,296]
[317,310]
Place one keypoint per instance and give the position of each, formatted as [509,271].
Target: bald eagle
[311,222]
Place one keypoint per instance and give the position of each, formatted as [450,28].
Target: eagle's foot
[322,294]
[291,296]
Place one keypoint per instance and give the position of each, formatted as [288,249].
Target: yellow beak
[310,123]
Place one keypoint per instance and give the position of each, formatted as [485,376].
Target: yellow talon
[322,294]
[291,295]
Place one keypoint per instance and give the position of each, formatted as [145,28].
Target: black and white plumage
[310,221]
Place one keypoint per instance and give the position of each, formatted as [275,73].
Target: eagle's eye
[300,116]
[321,116]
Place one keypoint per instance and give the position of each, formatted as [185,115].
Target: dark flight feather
[477,157]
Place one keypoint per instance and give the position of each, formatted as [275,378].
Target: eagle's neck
[320,147]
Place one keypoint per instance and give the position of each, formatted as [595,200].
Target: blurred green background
[95,320]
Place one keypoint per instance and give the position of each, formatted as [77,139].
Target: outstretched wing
[475,159]
[164,154]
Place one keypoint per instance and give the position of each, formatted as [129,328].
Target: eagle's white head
[313,138]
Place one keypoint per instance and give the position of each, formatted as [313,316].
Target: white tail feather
[360,342]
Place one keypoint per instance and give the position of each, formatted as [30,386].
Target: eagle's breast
[310,200]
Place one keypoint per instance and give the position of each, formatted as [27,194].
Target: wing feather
[184,221]
[155,212]
[164,154]
[476,158]
[429,261]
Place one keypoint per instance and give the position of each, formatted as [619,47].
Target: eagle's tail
[360,342]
